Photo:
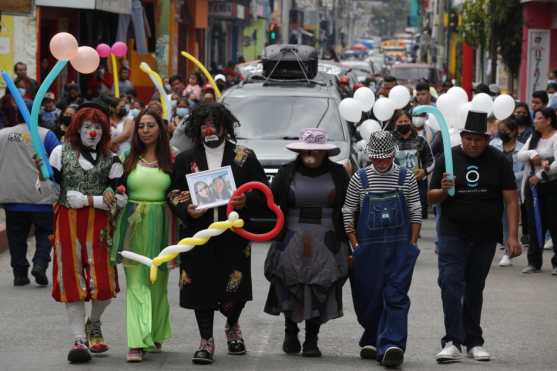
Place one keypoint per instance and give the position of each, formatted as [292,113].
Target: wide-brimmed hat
[381,145]
[314,139]
[476,123]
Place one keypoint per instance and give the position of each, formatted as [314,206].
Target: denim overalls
[382,268]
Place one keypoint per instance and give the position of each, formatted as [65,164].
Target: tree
[475,26]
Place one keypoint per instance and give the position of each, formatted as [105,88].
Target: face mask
[173,103]
[122,112]
[134,112]
[403,129]
[66,120]
[22,91]
[182,112]
[210,137]
[418,122]
[90,134]
[505,137]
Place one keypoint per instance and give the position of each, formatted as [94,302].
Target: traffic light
[273,34]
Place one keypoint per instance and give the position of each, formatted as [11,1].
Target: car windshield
[272,117]
[414,73]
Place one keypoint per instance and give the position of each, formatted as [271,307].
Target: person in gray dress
[307,264]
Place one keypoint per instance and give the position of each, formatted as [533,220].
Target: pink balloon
[86,61]
[119,49]
[63,46]
[103,50]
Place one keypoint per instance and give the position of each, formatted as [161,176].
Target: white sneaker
[548,245]
[449,354]
[505,261]
[479,354]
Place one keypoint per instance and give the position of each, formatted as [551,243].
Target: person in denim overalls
[386,198]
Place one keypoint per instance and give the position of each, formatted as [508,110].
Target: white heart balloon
[482,102]
[400,95]
[366,98]
[368,127]
[350,109]
[459,94]
[503,106]
[384,109]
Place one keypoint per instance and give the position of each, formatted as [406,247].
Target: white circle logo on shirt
[472,176]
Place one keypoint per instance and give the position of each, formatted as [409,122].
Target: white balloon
[482,102]
[384,109]
[447,104]
[400,95]
[455,137]
[367,127]
[350,109]
[462,115]
[366,98]
[459,94]
[503,106]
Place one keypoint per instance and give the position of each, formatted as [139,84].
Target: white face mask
[418,122]
[22,91]
[90,134]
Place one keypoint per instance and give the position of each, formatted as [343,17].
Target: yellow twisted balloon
[204,70]
[186,244]
[157,81]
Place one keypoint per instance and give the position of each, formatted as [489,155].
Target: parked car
[410,74]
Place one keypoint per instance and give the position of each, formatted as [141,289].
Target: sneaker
[79,352]
[505,261]
[21,280]
[310,348]
[548,245]
[291,344]
[525,240]
[501,246]
[554,272]
[531,269]
[95,337]
[204,355]
[479,354]
[368,352]
[135,355]
[393,357]
[234,339]
[39,272]
[449,354]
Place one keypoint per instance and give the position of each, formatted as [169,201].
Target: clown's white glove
[76,199]
[98,203]
[121,200]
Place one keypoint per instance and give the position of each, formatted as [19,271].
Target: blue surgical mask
[22,91]
[134,112]
[182,112]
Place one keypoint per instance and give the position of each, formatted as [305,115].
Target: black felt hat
[96,104]
[476,123]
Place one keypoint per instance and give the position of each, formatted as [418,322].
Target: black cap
[476,123]
[96,104]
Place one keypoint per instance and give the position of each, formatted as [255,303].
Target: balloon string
[115,76]
[204,70]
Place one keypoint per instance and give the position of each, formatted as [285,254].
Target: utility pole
[285,29]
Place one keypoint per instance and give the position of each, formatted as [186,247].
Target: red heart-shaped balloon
[270,204]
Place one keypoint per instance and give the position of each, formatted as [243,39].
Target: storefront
[226,22]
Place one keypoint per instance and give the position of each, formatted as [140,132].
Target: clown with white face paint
[87,174]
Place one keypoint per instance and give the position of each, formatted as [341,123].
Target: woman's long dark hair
[549,114]
[524,120]
[138,147]
[218,113]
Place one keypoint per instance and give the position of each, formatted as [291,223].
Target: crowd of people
[119,184]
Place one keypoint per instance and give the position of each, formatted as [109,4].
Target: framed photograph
[211,188]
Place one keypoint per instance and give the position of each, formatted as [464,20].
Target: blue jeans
[18,226]
[463,269]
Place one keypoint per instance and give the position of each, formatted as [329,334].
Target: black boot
[21,280]
[310,348]
[291,344]
[39,272]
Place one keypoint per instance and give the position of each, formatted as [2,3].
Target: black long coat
[217,274]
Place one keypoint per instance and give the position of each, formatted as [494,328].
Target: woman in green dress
[145,226]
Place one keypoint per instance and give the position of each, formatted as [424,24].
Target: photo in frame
[211,188]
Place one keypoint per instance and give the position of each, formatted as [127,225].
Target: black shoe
[393,357]
[310,349]
[79,353]
[291,344]
[234,339]
[21,280]
[368,352]
[204,355]
[39,272]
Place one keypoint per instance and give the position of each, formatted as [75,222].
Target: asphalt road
[520,327]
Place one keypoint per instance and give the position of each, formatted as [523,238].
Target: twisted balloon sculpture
[234,223]
[157,81]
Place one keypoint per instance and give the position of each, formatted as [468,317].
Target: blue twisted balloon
[33,127]
[447,151]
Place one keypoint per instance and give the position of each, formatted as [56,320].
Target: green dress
[145,226]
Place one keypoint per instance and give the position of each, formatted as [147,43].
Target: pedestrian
[423,94]
[30,85]
[538,102]
[507,142]
[49,114]
[382,219]
[469,228]
[212,277]
[121,129]
[24,204]
[72,95]
[87,173]
[389,82]
[155,106]
[177,85]
[145,226]
[125,85]
[193,89]
[540,174]
[64,121]
[307,264]
[524,119]
[179,140]
[414,153]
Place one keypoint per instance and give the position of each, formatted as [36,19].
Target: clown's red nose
[93,134]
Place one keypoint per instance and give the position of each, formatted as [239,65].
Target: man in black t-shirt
[469,229]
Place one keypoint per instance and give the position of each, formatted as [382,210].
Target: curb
[3,238]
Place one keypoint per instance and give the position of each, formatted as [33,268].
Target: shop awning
[112,6]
